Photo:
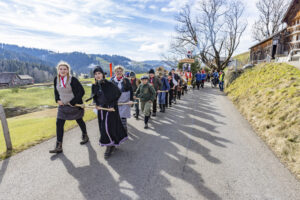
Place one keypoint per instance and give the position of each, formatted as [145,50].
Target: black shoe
[146,126]
[154,114]
[136,117]
[107,152]
[85,139]
[112,149]
[58,148]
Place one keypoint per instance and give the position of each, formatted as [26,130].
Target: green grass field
[31,97]
[269,97]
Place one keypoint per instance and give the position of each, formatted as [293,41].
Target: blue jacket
[198,77]
[165,84]
[216,75]
[203,76]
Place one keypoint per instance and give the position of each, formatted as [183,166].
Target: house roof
[6,77]
[267,38]
[288,10]
[25,77]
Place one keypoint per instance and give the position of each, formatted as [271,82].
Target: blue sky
[138,29]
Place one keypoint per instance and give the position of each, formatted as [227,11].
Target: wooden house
[282,44]
[9,79]
[26,80]
[12,79]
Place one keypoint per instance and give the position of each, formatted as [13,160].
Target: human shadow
[95,180]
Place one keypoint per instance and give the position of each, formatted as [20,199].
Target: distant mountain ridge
[80,62]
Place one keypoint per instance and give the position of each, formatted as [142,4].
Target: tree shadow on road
[158,165]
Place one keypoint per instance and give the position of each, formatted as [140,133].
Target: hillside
[79,61]
[39,72]
[269,97]
[242,58]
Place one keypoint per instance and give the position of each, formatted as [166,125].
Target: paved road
[200,149]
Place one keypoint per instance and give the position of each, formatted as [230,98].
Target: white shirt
[119,82]
[65,81]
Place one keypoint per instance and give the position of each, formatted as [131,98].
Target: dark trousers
[198,84]
[221,85]
[137,108]
[60,123]
[169,98]
[202,83]
[179,94]
[155,104]
[175,92]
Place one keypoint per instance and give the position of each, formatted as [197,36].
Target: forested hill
[40,72]
[80,62]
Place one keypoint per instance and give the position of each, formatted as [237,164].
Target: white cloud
[96,26]
[174,5]
[153,47]
[153,7]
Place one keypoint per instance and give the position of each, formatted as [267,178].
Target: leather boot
[85,139]
[58,148]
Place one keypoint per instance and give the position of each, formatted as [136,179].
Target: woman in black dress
[68,92]
[105,95]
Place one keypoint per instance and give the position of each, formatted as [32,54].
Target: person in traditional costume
[68,92]
[156,83]
[105,95]
[170,94]
[135,82]
[147,95]
[126,97]
[176,80]
[165,87]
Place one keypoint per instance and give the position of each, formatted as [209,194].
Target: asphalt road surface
[201,148]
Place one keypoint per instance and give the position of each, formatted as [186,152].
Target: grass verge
[33,128]
[269,97]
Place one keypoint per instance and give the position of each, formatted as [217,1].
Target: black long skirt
[112,132]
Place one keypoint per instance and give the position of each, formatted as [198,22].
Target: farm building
[26,79]
[11,79]
[283,45]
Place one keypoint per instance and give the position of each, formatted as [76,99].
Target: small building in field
[283,45]
[12,79]
[9,79]
[26,79]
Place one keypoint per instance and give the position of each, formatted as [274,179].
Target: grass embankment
[243,58]
[269,97]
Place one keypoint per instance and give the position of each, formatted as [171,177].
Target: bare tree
[214,29]
[270,14]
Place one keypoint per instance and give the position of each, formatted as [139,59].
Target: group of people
[215,76]
[113,100]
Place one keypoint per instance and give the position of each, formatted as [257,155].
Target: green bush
[15,90]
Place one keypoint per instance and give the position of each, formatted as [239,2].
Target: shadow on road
[154,163]
[95,180]
[3,168]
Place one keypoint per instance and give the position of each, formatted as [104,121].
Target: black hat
[98,69]
[132,74]
[144,77]
[151,71]
[170,74]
